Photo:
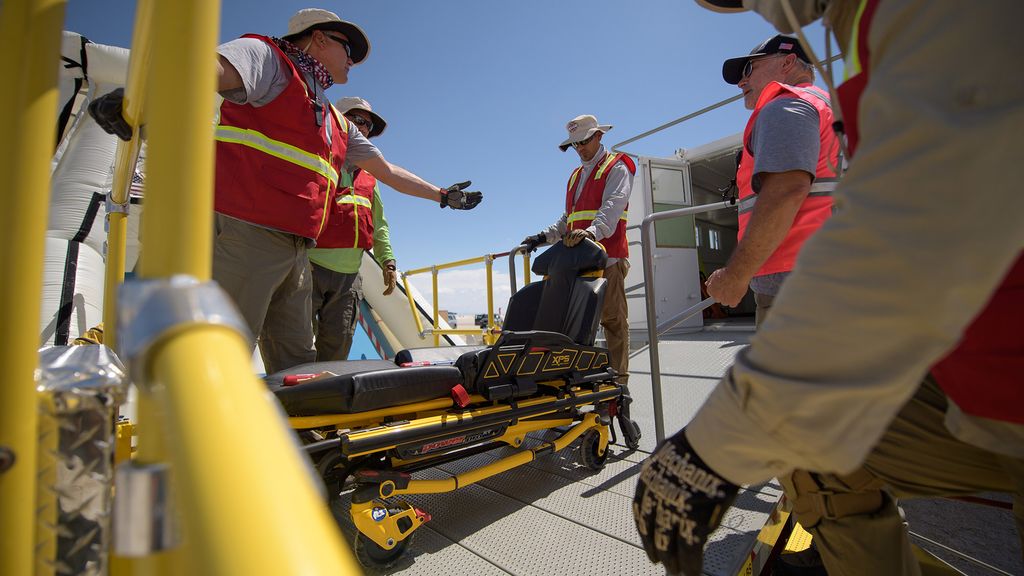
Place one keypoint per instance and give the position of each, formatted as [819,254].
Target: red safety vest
[581,213]
[351,219]
[817,207]
[275,166]
[984,373]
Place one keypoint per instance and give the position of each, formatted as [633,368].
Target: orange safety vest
[817,207]
[580,213]
[351,217]
[278,164]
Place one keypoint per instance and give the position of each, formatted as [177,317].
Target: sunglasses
[360,121]
[343,42]
[749,67]
[583,142]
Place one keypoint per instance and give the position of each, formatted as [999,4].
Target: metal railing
[488,333]
[653,328]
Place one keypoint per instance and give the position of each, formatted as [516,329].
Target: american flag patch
[786,46]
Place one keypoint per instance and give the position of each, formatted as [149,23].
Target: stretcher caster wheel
[330,468]
[589,446]
[371,555]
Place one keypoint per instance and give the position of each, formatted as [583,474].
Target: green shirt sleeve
[381,235]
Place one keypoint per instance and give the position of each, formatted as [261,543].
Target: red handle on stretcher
[293,379]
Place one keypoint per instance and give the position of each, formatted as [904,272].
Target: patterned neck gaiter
[306,63]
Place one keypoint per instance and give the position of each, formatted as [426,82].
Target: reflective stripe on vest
[820,187]
[276,148]
[354,199]
[589,215]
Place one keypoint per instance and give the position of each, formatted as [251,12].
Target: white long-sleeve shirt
[617,188]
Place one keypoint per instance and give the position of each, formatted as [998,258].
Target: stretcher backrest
[567,301]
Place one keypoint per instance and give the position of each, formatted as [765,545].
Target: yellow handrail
[489,334]
[261,513]
[124,169]
[27,106]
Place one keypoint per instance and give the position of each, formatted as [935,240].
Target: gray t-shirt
[785,137]
[264,77]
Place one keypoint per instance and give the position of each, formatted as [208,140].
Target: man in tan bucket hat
[280,148]
[596,200]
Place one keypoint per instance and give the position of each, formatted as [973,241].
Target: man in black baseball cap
[735,69]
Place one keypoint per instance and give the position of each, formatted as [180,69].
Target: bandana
[306,63]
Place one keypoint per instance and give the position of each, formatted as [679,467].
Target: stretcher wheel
[371,555]
[588,451]
[328,468]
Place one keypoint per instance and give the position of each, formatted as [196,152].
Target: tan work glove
[390,277]
[576,236]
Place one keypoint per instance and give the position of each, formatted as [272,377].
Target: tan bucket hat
[319,19]
[356,103]
[581,128]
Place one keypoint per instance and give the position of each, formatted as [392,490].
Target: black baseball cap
[732,69]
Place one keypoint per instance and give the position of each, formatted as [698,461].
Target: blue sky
[481,90]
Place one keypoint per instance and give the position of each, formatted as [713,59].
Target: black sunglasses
[360,121]
[343,42]
[584,142]
[748,68]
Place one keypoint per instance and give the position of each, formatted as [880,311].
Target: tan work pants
[267,274]
[853,517]
[614,318]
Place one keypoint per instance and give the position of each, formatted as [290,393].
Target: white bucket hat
[581,128]
[348,103]
[318,19]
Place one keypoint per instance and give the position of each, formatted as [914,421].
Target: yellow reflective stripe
[277,149]
[340,118]
[581,215]
[354,199]
[604,165]
[589,215]
[572,179]
[852,65]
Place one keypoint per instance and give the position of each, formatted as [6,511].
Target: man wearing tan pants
[891,362]
[596,201]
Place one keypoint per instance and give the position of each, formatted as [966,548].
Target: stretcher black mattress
[361,385]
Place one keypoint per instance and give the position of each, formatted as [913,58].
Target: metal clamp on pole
[144,521]
[153,309]
[115,207]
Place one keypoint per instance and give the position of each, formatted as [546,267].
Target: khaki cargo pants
[853,517]
[615,320]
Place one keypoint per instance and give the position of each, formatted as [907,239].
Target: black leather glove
[455,198]
[679,501]
[531,242]
[574,237]
[107,112]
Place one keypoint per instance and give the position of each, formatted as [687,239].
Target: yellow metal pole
[180,94]
[261,512]
[526,268]
[489,338]
[124,168]
[437,339]
[454,264]
[31,28]
[412,303]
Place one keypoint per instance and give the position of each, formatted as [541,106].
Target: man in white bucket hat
[357,224]
[596,200]
[280,149]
